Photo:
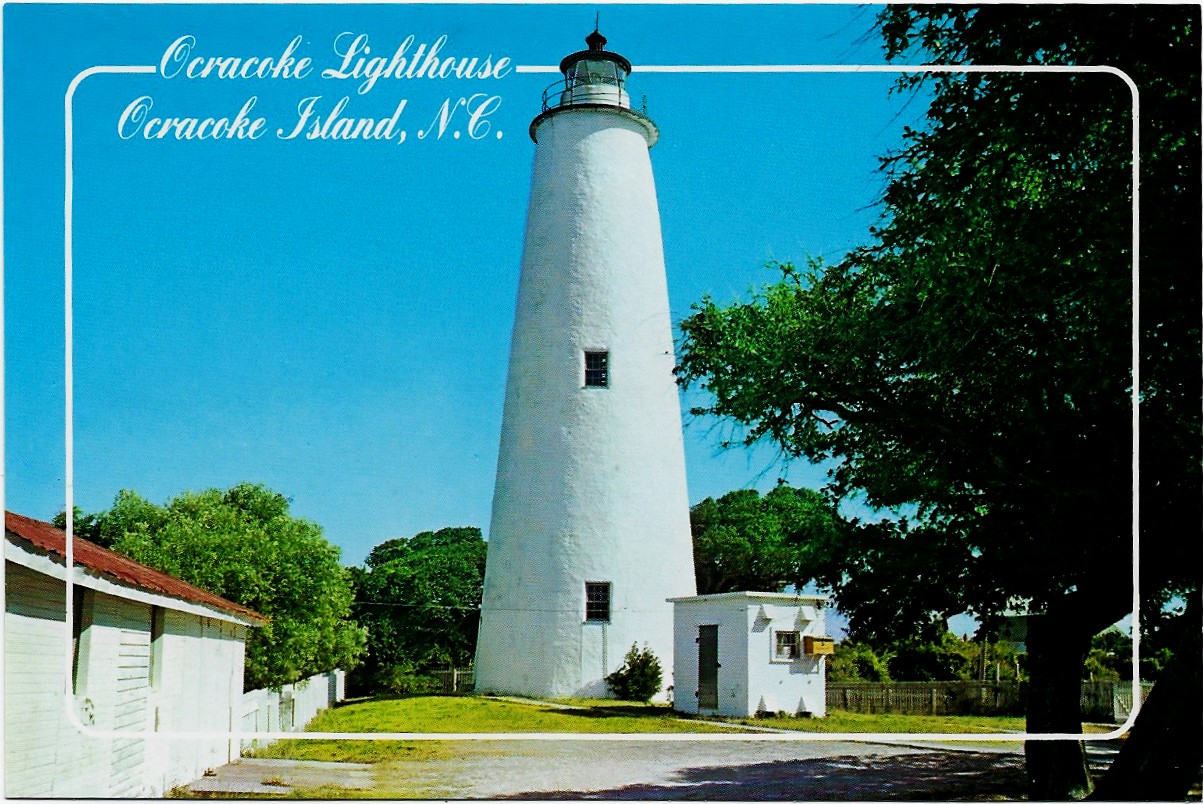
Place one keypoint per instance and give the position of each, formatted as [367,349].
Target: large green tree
[243,544]
[972,367]
[747,542]
[419,598]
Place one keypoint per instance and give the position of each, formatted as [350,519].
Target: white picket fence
[291,707]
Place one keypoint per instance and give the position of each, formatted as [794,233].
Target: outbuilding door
[708,667]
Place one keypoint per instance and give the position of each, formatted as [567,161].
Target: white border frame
[69,475]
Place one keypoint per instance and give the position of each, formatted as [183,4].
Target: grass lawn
[472,714]
[464,714]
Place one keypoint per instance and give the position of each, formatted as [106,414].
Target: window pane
[595,72]
[597,369]
[597,602]
[787,645]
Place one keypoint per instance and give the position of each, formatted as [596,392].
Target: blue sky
[332,318]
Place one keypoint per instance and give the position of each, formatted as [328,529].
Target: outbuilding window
[788,646]
[597,602]
[597,369]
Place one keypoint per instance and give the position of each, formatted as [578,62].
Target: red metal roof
[47,537]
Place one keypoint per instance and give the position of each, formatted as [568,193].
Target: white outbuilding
[738,654]
[142,654]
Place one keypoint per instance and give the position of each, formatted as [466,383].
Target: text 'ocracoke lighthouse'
[590,530]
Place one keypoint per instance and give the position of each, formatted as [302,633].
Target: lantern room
[593,76]
[594,79]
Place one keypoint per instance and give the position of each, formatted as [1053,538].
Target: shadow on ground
[927,776]
[601,712]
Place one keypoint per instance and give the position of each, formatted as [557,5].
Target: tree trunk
[1057,647]
[1161,758]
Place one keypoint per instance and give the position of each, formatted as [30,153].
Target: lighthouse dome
[595,75]
[593,78]
[596,53]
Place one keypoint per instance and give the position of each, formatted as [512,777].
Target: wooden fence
[456,680]
[1110,701]
[926,697]
[289,708]
[1102,701]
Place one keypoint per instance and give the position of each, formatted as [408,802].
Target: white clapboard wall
[188,678]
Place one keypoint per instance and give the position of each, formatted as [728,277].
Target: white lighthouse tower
[590,530]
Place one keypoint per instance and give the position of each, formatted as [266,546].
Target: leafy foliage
[972,366]
[856,661]
[945,658]
[1106,659]
[639,678]
[85,526]
[242,544]
[1110,656]
[401,680]
[974,361]
[420,601]
[746,542]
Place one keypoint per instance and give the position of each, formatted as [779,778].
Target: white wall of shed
[749,679]
[731,619]
[46,755]
[775,685]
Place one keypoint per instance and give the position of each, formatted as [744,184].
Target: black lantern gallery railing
[592,88]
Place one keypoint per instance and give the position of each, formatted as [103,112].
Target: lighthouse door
[708,667]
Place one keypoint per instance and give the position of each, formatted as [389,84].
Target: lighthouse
[590,528]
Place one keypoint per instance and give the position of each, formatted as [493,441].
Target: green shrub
[856,661]
[639,678]
[402,680]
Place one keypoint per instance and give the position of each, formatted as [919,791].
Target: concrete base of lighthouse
[590,490]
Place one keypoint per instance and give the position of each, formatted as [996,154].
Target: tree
[945,659]
[971,367]
[420,600]
[242,544]
[746,542]
[1155,764]
[856,661]
[1110,657]
[85,526]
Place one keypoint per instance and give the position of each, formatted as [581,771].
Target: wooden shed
[148,654]
[742,653]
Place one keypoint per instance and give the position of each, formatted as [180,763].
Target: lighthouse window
[597,602]
[597,369]
[595,72]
